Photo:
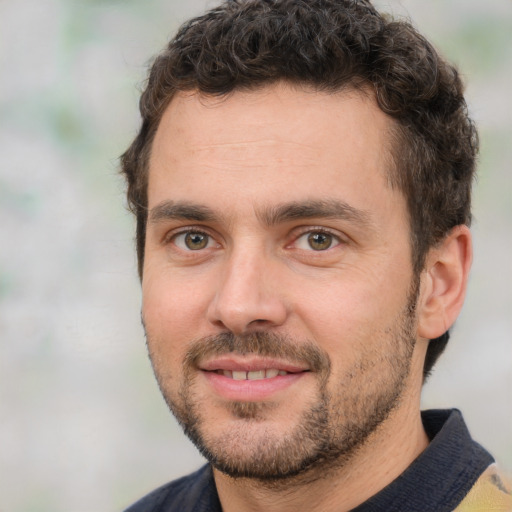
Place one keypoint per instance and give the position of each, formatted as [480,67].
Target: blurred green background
[82,424]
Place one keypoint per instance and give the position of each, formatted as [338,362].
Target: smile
[269,373]
[250,378]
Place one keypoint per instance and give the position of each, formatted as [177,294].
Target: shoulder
[492,491]
[192,492]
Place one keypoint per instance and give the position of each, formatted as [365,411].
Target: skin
[233,166]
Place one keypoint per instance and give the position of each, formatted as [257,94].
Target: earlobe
[443,283]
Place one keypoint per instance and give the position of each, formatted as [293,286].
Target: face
[278,294]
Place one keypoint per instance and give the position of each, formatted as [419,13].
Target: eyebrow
[171,210]
[325,209]
[269,216]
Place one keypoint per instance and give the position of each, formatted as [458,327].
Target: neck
[384,456]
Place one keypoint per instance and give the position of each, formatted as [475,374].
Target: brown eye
[192,241]
[320,241]
[195,241]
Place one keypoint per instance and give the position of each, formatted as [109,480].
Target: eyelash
[309,230]
[171,238]
[336,239]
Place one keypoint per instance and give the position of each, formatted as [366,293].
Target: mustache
[265,344]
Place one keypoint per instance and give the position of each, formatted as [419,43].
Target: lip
[250,390]
[249,364]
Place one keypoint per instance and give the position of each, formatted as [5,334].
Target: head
[230,59]
[331,46]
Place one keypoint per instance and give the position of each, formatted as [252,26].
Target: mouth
[268,373]
[253,378]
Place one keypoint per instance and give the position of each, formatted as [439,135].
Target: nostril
[259,321]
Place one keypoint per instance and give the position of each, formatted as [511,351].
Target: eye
[193,240]
[316,241]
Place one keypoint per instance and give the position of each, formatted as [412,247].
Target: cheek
[174,309]
[162,308]
[342,303]
[347,317]
[167,295]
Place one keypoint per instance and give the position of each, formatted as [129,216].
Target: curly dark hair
[330,45]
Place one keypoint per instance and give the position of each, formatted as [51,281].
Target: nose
[249,295]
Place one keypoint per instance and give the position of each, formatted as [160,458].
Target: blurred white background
[82,424]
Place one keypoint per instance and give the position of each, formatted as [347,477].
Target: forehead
[278,142]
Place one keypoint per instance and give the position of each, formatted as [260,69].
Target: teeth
[253,375]
[256,375]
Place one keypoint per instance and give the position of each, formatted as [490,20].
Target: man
[302,183]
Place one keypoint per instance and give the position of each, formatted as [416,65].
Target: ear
[443,283]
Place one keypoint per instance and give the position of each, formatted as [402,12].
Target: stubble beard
[334,425]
